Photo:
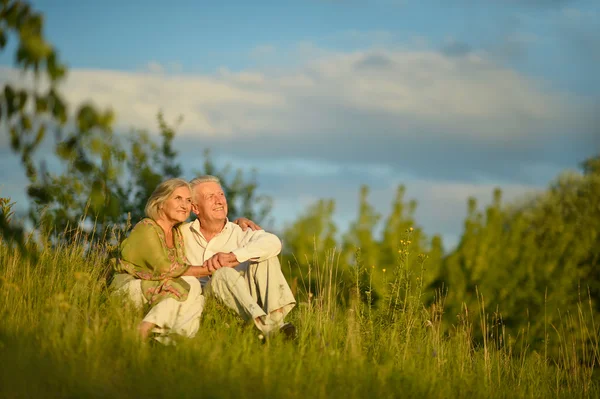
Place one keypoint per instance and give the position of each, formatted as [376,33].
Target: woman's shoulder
[144,227]
[142,234]
[145,224]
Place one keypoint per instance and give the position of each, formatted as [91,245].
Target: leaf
[3,39]
[107,120]
[21,99]
[34,48]
[15,141]
[40,135]
[97,195]
[96,145]
[83,165]
[66,149]
[9,96]
[25,123]
[23,14]
[40,194]
[10,15]
[59,110]
[87,118]
[56,70]
[41,104]
[30,170]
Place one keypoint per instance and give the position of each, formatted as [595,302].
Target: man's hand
[245,224]
[219,260]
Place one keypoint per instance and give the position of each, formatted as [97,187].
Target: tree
[147,164]
[103,179]
[361,251]
[312,233]
[401,235]
[27,114]
[310,247]
[532,261]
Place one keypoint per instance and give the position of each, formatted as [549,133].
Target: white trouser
[170,315]
[254,290]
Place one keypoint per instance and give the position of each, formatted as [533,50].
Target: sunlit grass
[62,335]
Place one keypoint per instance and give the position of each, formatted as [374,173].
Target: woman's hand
[246,223]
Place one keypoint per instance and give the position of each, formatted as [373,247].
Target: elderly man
[246,274]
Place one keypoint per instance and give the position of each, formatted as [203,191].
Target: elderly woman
[153,270]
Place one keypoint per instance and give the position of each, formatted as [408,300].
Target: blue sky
[323,96]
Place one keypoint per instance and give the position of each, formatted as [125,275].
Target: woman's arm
[197,271]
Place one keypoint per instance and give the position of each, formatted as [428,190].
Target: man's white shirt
[255,245]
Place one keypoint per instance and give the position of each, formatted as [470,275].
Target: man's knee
[269,264]
[223,275]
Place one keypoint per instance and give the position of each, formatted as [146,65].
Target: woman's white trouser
[170,315]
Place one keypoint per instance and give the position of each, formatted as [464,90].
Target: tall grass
[62,335]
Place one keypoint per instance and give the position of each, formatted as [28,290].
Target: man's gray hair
[202,179]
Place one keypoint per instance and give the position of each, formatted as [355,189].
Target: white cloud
[468,97]
[447,127]
[155,67]
[394,107]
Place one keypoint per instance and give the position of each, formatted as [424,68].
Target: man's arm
[252,245]
[221,259]
[257,246]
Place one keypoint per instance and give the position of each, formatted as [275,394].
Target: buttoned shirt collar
[195,228]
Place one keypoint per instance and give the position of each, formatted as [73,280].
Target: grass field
[62,336]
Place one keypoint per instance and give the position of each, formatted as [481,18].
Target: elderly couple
[169,264]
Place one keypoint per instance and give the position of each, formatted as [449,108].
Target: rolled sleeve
[258,246]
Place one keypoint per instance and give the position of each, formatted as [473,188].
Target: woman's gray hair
[202,179]
[162,193]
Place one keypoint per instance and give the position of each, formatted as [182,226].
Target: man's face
[210,204]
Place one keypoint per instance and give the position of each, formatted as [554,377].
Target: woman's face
[177,208]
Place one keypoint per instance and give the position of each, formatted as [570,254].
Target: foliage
[523,258]
[520,259]
[29,114]
[102,179]
[308,242]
